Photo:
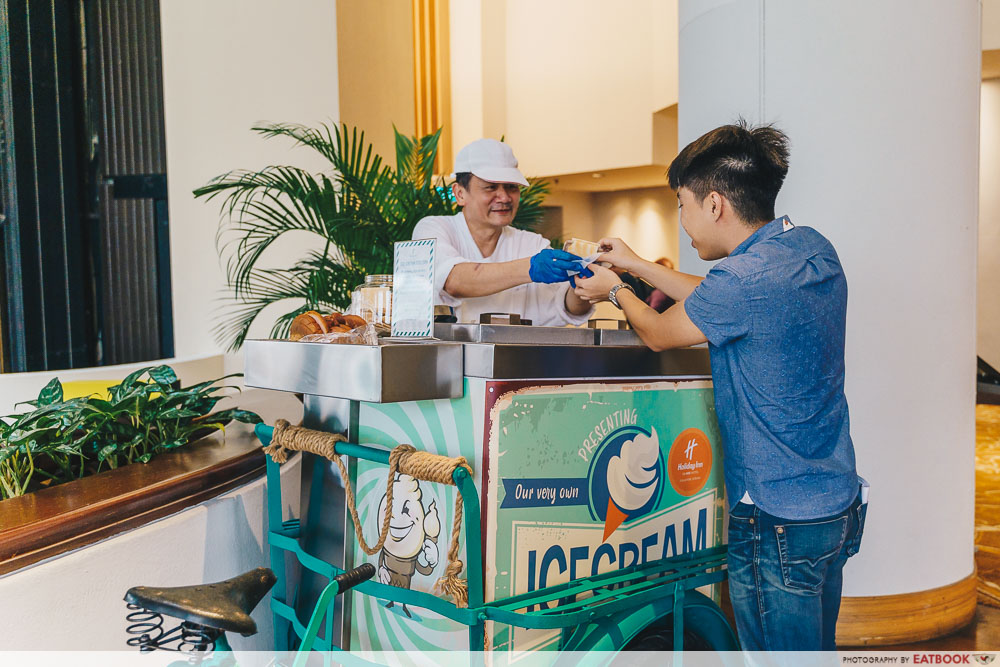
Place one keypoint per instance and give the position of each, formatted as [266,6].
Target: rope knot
[451,585]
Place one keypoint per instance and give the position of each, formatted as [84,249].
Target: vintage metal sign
[590,477]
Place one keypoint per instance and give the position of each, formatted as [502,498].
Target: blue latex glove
[552,266]
[584,273]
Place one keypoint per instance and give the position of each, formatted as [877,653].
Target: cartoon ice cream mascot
[413,533]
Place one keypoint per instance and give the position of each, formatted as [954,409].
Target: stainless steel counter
[509,362]
[618,337]
[395,371]
[511,333]
[375,374]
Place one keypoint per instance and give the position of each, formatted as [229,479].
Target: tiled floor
[983,634]
[988,502]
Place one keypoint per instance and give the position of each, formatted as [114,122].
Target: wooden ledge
[882,620]
[68,516]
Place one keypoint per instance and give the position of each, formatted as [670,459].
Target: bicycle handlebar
[352,578]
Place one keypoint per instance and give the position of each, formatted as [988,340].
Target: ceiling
[607,180]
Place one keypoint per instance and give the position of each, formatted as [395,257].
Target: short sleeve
[718,306]
[537,244]
[446,255]
[551,306]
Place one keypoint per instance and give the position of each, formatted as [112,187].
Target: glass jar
[373,299]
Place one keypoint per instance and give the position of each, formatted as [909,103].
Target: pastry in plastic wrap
[581,248]
[311,327]
[309,322]
[353,321]
[342,335]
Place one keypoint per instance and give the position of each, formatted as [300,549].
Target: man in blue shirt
[773,312]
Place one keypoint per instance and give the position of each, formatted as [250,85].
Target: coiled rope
[403,459]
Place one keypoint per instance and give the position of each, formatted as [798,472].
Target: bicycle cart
[549,496]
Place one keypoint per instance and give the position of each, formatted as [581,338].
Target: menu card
[413,289]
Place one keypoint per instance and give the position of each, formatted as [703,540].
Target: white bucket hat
[490,160]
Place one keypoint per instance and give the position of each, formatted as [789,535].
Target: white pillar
[881,102]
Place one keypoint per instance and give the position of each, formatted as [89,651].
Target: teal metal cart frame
[598,613]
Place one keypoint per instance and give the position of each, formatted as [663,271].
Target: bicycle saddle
[225,605]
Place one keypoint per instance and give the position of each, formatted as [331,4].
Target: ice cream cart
[593,498]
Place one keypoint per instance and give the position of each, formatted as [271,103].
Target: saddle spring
[146,630]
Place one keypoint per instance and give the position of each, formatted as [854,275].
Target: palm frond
[238,316]
[321,139]
[313,283]
[260,208]
[415,157]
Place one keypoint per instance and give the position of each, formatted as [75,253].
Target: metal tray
[514,334]
[372,373]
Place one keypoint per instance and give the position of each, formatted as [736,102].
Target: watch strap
[613,294]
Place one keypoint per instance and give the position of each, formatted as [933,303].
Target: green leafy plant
[146,414]
[355,212]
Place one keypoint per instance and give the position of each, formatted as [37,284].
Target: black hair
[745,164]
[463,178]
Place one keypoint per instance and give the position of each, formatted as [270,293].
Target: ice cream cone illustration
[633,477]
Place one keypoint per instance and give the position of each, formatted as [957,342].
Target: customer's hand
[552,266]
[618,253]
[585,272]
[596,288]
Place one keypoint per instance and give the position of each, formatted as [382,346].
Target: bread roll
[309,322]
[353,321]
[334,319]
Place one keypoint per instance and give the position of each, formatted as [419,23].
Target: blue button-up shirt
[774,314]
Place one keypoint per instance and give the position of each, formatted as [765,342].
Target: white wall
[881,101]
[465,47]
[18,387]
[991,24]
[988,295]
[74,601]
[477,46]
[645,218]
[228,65]
[577,213]
[583,82]
[708,100]
[572,86]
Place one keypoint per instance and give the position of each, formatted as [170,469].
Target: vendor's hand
[596,288]
[618,253]
[552,266]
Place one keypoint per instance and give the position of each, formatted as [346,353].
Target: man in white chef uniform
[482,264]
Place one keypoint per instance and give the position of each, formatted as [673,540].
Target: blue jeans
[785,576]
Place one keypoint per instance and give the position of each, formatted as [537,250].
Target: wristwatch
[613,294]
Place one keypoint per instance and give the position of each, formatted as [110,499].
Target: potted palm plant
[355,212]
